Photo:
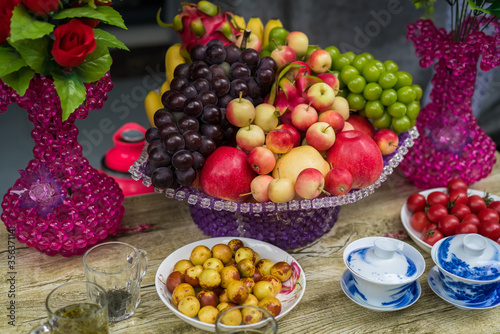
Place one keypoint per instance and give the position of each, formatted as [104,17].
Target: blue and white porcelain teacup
[469,267]
[383,270]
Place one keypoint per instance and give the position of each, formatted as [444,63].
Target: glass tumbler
[246,319]
[76,307]
[119,268]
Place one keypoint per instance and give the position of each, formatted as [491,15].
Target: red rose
[74,41]
[5,16]
[41,7]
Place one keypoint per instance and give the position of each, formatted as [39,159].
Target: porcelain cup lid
[470,256]
[383,260]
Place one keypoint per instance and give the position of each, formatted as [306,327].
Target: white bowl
[406,216]
[469,266]
[383,269]
[290,295]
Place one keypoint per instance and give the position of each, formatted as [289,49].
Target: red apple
[387,140]
[331,80]
[294,131]
[249,137]
[359,154]
[309,183]
[303,116]
[227,175]
[333,118]
[298,41]
[279,141]
[321,96]
[338,181]
[261,160]
[320,135]
[362,124]
[319,61]
[283,54]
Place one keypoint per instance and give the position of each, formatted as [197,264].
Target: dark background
[375,26]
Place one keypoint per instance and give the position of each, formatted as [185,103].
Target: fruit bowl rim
[195,196]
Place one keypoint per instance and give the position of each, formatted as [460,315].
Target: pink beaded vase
[60,204]
[451,143]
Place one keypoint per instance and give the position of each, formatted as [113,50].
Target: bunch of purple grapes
[192,123]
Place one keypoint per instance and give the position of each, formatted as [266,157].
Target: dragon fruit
[200,23]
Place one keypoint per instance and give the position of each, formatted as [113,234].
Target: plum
[175,278]
[200,254]
[182,290]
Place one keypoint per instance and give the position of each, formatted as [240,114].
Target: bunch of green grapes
[377,90]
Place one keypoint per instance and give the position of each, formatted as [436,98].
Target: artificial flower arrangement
[57,39]
[466,15]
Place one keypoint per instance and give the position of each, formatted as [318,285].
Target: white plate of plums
[204,278]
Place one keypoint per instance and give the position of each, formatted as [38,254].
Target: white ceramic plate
[290,294]
[417,236]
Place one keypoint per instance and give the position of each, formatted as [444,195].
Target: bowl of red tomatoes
[431,215]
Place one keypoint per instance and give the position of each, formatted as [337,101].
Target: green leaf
[109,40]
[95,65]
[474,6]
[19,80]
[25,26]
[36,53]
[103,13]
[112,16]
[10,60]
[494,8]
[71,91]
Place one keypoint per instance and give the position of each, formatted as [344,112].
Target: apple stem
[278,170]
[250,193]
[329,126]
[241,96]
[326,192]
[308,106]
[249,123]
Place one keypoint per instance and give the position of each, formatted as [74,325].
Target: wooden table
[323,309]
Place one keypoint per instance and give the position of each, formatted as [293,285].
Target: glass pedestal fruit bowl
[286,225]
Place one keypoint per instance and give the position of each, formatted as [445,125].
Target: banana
[238,22]
[256,26]
[164,87]
[173,58]
[272,23]
[152,103]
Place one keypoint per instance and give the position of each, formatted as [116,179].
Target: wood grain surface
[324,307]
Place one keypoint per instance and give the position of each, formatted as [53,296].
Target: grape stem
[246,34]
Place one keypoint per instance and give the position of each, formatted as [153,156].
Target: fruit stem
[277,46]
[308,106]
[246,34]
[241,96]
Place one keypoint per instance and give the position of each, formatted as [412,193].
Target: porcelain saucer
[410,297]
[436,284]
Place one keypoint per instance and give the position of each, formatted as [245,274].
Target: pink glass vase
[60,204]
[451,143]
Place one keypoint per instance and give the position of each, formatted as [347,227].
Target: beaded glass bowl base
[286,225]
